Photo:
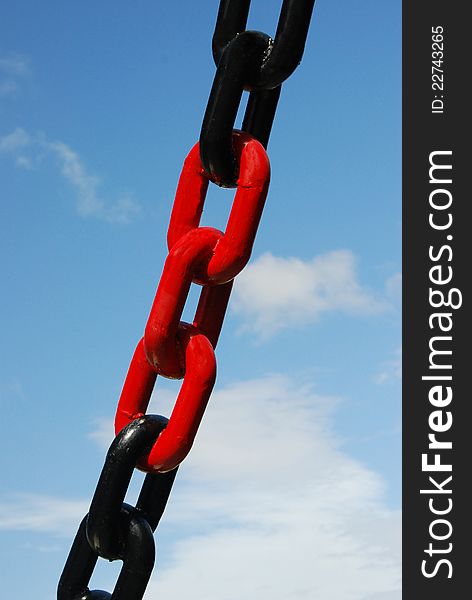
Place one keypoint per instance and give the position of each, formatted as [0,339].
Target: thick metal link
[283,54]
[231,20]
[103,527]
[260,112]
[138,562]
[175,442]
[204,255]
[186,258]
[248,60]
[233,250]
[239,63]
[208,257]
[114,530]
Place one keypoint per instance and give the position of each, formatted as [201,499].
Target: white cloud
[29,151]
[268,500]
[273,292]
[12,69]
[14,64]
[103,432]
[35,512]
[393,287]
[391,370]
[286,510]
[15,141]
[7,87]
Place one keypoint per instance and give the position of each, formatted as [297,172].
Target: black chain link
[251,61]
[114,530]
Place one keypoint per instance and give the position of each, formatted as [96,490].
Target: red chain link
[212,259]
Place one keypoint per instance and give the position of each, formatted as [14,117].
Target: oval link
[103,528]
[160,335]
[206,256]
[202,254]
[284,53]
[234,249]
[174,443]
[115,530]
[248,60]
[240,59]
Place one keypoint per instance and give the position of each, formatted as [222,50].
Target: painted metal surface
[208,257]
[117,531]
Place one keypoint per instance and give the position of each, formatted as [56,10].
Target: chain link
[252,61]
[114,530]
[211,258]
[246,60]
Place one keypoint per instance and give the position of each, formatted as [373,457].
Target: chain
[252,61]
[246,60]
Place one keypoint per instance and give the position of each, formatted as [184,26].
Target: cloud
[35,512]
[391,370]
[103,429]
[12,69]
[46,548]
[30,151]
[281,509]
[268,499]
[7,88]
[15,141]
[14,64]
[274,293]
[103,432]
[393,287]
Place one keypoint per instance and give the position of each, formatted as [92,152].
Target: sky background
[294,477]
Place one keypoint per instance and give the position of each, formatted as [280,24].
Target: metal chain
[246,60]
[114,530]
[252,61]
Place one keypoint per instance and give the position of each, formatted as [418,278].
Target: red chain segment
[212,259]
[234,249]
[202,254]
[170,449]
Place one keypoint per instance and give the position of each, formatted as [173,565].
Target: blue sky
[296,468]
